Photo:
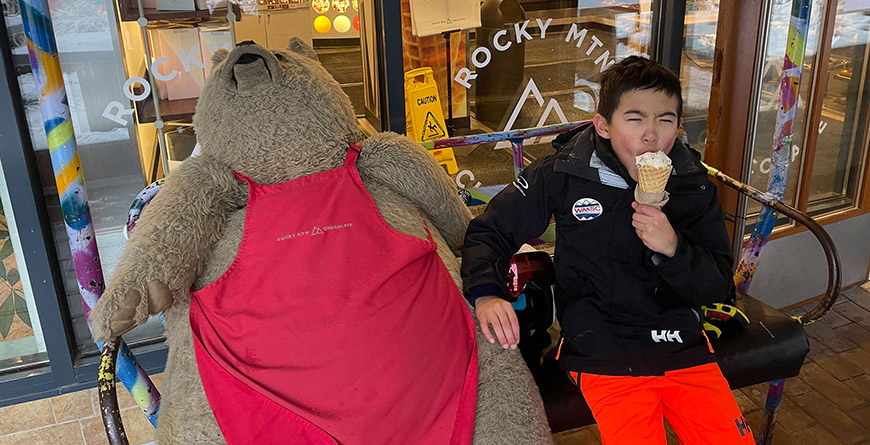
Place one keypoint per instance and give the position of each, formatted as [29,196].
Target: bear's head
[273,115]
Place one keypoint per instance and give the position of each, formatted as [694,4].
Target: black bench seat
[774,346]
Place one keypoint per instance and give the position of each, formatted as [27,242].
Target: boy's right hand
[498,313]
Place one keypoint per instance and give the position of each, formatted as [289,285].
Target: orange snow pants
[696,401]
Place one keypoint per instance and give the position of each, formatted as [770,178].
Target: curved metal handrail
[108,397]
[835,272]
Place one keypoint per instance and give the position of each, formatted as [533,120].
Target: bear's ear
[219,56]
[300,47]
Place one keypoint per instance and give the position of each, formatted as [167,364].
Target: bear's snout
[249,68]
[251,73]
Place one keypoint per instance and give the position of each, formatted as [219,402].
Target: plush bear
[270,121]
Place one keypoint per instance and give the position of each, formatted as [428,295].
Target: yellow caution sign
[446,158]
[423,115]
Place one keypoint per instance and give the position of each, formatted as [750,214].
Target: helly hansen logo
[742,426]
[669,336]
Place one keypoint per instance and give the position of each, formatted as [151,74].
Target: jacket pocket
[588,334]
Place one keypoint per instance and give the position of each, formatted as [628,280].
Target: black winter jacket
[623,310]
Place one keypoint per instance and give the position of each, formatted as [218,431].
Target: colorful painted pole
[771,408]
[789,90]
[71,186]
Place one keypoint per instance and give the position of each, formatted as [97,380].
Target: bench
[771,349]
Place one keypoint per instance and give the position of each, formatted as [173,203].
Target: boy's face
[644,121]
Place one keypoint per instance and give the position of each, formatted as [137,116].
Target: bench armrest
[835,273]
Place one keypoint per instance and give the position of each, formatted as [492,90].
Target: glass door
[530,64]
[830,144]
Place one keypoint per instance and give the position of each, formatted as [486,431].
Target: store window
[91,60]
[529,64]
[22,345]
[830,130]
[769,98]
[696,68]
[132,71]
[132,94]
[533,64]
[332,27]
[842,130]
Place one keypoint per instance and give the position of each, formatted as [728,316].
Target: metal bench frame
[108,398]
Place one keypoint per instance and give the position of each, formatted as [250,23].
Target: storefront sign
[482,56]
[118,112]
[764,164]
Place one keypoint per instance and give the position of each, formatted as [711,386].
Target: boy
[630,279]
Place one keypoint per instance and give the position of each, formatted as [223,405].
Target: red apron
[332,327]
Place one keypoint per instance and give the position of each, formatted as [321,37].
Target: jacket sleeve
[517,214]
[700,270]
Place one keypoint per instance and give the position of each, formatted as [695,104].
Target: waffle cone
[652,179]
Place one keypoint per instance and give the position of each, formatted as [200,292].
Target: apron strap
[248,180]
[428,233]
[352,155]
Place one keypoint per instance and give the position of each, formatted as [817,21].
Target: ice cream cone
[653,172]
[653,179]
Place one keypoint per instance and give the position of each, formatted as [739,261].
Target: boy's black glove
[723,320]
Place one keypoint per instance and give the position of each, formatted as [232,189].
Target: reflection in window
[92,63]
[696,68]
[768,100]
[21,341]
[543,67]
[842,129]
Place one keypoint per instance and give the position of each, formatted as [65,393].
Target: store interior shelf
[129,12]
[170,110]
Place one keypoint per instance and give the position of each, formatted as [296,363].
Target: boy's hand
[654,229]
[500,314]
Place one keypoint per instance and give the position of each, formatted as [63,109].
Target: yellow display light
[322,24]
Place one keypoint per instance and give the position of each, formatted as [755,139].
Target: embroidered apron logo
[586,209]
[316,230]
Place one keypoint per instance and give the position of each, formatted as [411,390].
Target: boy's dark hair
[636,73]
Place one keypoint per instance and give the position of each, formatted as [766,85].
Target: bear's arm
[404,166]
[165,250]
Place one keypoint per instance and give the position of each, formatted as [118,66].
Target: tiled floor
[72,419]
[829,402]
